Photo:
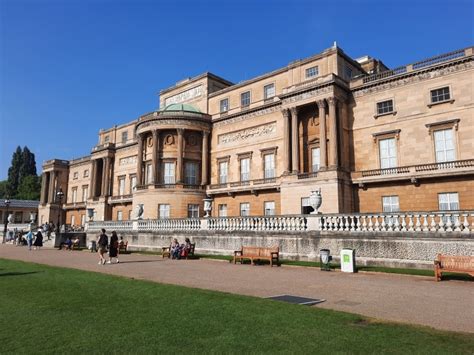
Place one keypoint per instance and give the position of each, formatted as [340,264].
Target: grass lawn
[52,310]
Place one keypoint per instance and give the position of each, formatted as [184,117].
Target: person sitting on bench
[67,244]
[175,249]
[185,248]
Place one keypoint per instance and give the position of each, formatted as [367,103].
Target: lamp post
[7,203]
[59,196]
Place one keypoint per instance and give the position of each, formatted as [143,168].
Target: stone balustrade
[422,222]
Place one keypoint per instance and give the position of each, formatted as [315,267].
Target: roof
[181,107]
[20,203]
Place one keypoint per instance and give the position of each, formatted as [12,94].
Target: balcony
[121,199]
[247,185]
[307,175]
[75,205]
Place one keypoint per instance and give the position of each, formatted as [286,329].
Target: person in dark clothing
[39,240]
[113,248]
[102,244]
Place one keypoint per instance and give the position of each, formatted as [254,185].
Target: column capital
[285,112]
[180,130]
[294,111]
[332,100]
[205,133]
[321,102]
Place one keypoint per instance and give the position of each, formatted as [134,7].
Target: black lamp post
[7,203]
[59,196]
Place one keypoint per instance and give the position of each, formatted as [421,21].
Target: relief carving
[128,160]
[268,129]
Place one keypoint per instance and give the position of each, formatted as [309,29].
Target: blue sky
[69,68]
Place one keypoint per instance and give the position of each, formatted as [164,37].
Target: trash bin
[324,259]
[348,260]
[93,246]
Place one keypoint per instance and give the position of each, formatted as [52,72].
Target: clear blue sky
[81,65]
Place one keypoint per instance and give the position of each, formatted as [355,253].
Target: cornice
[240,116]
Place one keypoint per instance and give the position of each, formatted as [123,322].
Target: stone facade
[352,128]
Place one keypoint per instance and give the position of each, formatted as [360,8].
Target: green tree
[28,164]
[14,172]
[29,188]
[3,189]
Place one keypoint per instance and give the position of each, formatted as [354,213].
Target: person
[19,240]
[102,244]
[121,244]
[175,249]
[39,240]
[46,230]
[67,243]
[29,239]
[113,249]
[185,248]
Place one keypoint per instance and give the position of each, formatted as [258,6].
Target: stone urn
[32,217]
[10,218]
[90,214]
[207,207]
[139,211]
[315,200]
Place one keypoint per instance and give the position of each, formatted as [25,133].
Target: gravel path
[447,305]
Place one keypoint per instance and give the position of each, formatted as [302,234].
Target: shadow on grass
[138,261]
[18,273]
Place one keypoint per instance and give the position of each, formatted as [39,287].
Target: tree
[28,164]
[29,188]
[14,172]
[3,189]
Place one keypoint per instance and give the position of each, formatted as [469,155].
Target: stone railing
[110,225]
[18,226]
[184,224]
[266,223]
[245,183]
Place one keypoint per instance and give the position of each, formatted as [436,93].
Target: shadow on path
[18,273]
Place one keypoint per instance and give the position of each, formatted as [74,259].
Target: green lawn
[54,310]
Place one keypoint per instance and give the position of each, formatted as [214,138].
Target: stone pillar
[52,178]
[179,162]
[332,102]
[105,177]
[140,160]
[154,156]
[295,152]
[93,178]
[286,141]
[102,187]
[43,196]
[322,135]
[204,158]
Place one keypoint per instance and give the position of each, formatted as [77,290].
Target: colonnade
[48,187]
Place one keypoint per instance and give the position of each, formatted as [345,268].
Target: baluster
[371,225]
[364,223]
[417,223]
[465,223]
[351,222]
[404,223]
[457,222]
[449,223]
[410,223]
[346,222]
[425,223]
[388,222]
[433,223]
[441,223]
[377,224]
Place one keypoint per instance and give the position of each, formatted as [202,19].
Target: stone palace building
[372,139]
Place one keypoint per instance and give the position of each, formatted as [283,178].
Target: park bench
[75,245]
[123,247]
[461,264]
[257,253]
[166,251]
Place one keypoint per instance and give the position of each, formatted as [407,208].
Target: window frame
[166,209]
[220,105]
[265,208]
[434,103]
[265,97]
[193,213]
[124,134]
[167,178]
[248,210]
[452,124]
[379,114]
[119,179]
[316,67]
[377,137]
[187,177]
[249,92]
[220,209]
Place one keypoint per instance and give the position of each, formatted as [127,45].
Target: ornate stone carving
[169,139]
[308,94]
[128,160]
[245,116]
[184,96]
[248,133]
[192,140]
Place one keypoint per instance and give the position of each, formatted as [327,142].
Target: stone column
[286,141]
[140,160]
[102,187]
[295,156]
[204,158]
[106,177]
[179,162]
[322,135]
[43,196]
[52,178]
[93,178]
[332,102]
[154,156]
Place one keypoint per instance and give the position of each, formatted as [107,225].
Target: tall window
[448,201]
[388,153]
[190,173]
[306,206]
[193,211]
[83,219]
[245,99]
[444,145]
[269,166]
[119,215]
[75,175]
[245,209]
[149,173]
[74,195]
[73,220]
[133,183]
[124,136]
[390,204]
[121,186]
[311,72]
[85,193]
[348,72]
[224,105]
[86,173]
[169,173]
[245,169]
[268,91]
[315,159]
[164,211]
[384,107]
[439,95]
[223,210]
[106,139]
[269,208]
[223,165]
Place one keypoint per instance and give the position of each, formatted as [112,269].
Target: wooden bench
[257,253]
[166,251]
[123,247]
[461,264]
[74,245]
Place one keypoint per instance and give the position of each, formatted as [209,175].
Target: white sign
[184,96]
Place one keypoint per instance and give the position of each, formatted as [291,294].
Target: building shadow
[13,273]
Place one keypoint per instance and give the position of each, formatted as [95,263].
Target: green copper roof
[181,107]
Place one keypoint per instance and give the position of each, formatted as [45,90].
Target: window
[444,145]
[85,193]
[124,137]
[315,159]
[384,107]
[133,183]
[86,173]
[73,220]
[269,208]
[121,183]
[223,165]
[306,206]
[348,72]
[310,72]
[18,216]
[119,215]
[269,161]
[390,204]
[448,201]
[164,211]
[224,105]
[106,139]
[245,99]
[388,153]
[245,169]
[193,211]
[149,173]
[223,210]
[83,219]
[440,95]
[76,175]
[268,91]
[190,173]
[169,173]
[245,209]
[74,195]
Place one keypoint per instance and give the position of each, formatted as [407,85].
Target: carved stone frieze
[172,123]
[307,95]
[243,135]
[246,116]
[128,160]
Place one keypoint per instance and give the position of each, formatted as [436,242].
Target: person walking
[39,240]
[102,243]
[113,248]
[29,239]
